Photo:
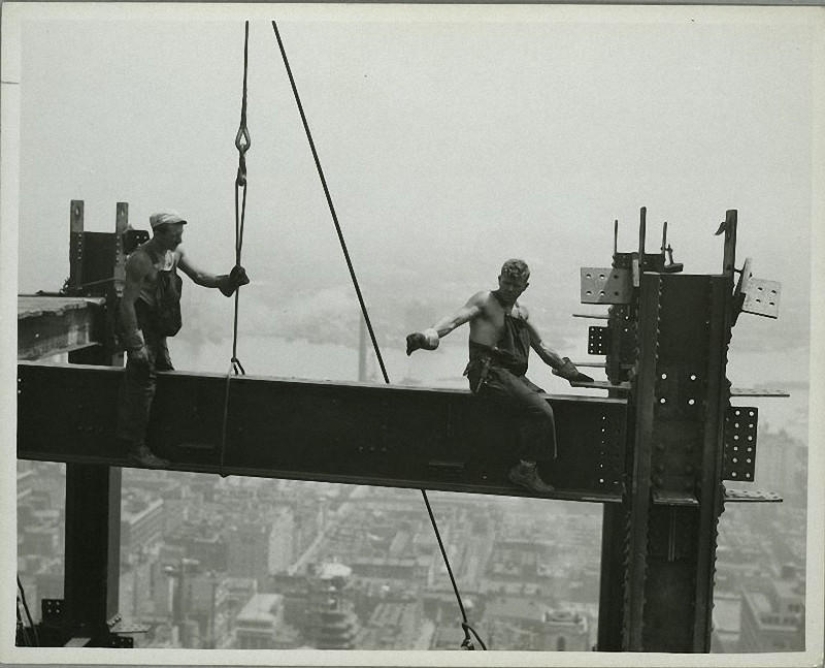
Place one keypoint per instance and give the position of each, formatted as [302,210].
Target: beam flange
[356,433]
[51,325]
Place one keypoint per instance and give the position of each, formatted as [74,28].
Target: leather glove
[228,283]
[428,340]
[570,373]
[139,356]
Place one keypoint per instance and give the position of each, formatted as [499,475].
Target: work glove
[138,363]
[231,282]
[570,373]
[428,340]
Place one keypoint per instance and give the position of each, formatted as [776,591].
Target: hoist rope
[467,643]
[28,613]
[242,143]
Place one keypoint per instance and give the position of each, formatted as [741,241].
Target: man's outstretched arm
[428,339]
[227,283]
[562,366]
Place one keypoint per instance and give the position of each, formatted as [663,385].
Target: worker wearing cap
[149,311]
[501,335]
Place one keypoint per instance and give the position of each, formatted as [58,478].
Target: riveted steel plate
[359,433]
[740,443]
[605,285]
[751,496]
[762,297]
[598,340]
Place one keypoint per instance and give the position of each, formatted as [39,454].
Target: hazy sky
[449,144]
[452,138]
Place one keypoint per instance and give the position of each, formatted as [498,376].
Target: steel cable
[243,142]
[467,643]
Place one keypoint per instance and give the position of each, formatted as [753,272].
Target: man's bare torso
[488,326]
[151,263]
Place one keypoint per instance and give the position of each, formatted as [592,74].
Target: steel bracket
[740,443]
[605,285]
[598,340]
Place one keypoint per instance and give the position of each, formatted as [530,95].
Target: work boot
[145,457]
[525,474]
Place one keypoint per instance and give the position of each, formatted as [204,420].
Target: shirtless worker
[501,335]
[149,311]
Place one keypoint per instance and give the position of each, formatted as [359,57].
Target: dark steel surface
[56,326]
[92,557]
[644,400]
[92,523]
[358,433]
[740,443]
[598,340]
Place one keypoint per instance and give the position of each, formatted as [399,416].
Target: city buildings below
[208,562]
[260,625]
[773,615]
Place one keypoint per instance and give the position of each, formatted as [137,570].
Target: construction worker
[149,311]
[501,335]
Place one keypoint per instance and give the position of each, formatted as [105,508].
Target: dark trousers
[519,398]
[137,389]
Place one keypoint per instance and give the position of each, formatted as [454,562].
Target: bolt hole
[691,402]
[664,376]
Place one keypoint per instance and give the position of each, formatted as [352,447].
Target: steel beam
[338,432]
[50,325]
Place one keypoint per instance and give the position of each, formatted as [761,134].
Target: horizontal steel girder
[53,325]
[307,430]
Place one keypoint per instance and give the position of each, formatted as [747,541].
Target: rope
[467,643]
[28,614]
[242,143]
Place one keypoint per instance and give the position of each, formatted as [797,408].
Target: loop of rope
[242,143]
[467,643]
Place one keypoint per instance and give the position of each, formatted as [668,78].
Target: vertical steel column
[710,490]
[612,578]
[92,531]
[640,487]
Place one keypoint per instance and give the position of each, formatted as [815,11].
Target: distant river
[274,356]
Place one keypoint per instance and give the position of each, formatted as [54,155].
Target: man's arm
[227,283]
[549,356]
[428,339]
[198,275]
[562,366]
[137,268]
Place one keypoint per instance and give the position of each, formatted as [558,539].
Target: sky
[451,139]
[449,144]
